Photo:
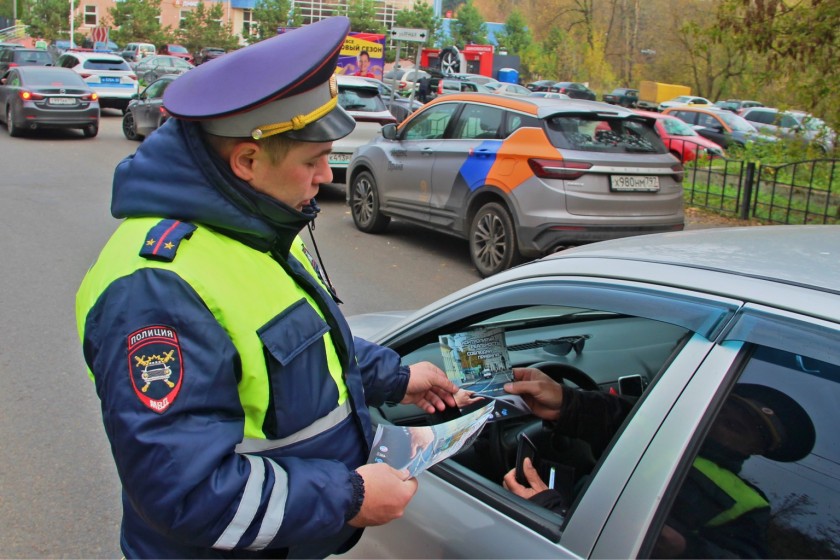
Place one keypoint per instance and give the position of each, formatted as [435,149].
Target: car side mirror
[389,131]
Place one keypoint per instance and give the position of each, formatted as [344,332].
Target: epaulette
[162,241]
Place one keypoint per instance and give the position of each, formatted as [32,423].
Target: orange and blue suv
[518,177]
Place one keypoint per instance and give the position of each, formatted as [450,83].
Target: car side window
[478,122]
[156,89]
[515,121]
[431,124]
[764,482]
[708,121]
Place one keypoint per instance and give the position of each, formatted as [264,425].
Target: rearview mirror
[389,131]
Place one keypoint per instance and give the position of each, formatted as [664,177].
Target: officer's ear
[243,157]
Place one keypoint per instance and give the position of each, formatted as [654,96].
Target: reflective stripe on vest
[746,497]
[242,287]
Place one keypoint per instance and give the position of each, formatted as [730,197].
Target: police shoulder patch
[154,366]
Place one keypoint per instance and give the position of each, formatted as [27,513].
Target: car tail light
[440,87]
[679,172]
[29,96]
[558,168]
[85,76]
[164,112]
[12,64]
[90,97]
[132,76]
[403,85]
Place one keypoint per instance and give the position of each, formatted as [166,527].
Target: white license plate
[340,158]
[634,183]
[61,101]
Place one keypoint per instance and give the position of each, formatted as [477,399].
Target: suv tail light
[679,172]
[558,168]
[29,96]
[85,75]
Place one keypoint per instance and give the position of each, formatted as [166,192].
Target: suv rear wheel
[493,240]
[364,204]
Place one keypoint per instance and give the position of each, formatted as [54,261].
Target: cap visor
[335,125]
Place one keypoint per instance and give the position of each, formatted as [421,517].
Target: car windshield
[736,122]
[106,64]
[601,133]
[361,99]
[177,49]
[677,127]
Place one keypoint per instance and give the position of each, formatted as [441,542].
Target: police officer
[233,393]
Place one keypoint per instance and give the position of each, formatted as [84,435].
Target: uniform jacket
[192,487]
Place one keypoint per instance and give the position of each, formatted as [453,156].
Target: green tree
[362,14]
[268,15]
[516,38]
[203,27]
[49,19]
[469,27]
[136,20]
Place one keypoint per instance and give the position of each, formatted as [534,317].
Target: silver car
[672,325]
[518,176]
[796,125]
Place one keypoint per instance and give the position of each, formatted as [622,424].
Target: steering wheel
[560,372]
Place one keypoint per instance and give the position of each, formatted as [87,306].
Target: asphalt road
[59,493]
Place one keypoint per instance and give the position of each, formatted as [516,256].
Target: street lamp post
[72,9]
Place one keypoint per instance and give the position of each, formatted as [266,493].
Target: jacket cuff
[401,384]
[358,497]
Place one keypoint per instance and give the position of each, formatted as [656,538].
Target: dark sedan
[145,112]
[541,85]
[36,97]
[575,90]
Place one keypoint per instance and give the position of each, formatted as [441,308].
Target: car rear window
[48,78]
[597,133]
[106,64]
[361,99]
[32,57]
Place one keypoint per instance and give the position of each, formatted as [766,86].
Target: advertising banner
[363,54]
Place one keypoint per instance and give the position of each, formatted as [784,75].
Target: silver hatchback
[518,177]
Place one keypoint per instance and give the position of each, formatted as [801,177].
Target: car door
[787,366]
[461,510]
[407,188]
[147,115]
[463,162]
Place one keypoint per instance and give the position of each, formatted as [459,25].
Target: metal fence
[801,192]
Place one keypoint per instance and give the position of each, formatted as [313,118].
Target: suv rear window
[360,99]
[595,133]
[106,64]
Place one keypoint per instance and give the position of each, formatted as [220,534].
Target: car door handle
[427,151]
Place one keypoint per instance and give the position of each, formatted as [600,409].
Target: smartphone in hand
[525,448]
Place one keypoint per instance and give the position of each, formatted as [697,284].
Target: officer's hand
[543,395]
[535,483]
[429,388]
[387,493]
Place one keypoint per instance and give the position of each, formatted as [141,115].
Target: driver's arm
[593,416]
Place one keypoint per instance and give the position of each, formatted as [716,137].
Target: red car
[176,50]
[682,140]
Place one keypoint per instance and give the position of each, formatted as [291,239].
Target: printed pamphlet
[417,448]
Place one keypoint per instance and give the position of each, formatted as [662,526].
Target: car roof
[84,55]
[356,82]
[801,255]
[539,106]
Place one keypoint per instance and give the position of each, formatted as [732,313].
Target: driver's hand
[542,394]
[535,483]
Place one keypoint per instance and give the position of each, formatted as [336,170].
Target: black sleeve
[592,416]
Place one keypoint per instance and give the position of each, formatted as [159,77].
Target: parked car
[208,53]
[135,52]
[681,138]
[626,97]
[145,112]
[362,100]
[476,78]
[675,325]
[38,97]
[504,88]
[153,67]
[722,127]
[736,105]
[684,100]
[101,46]
[517,176]
[796,125]
[541,85]
[108,75]
[176,50]
[404,79]
[10,58]
[448,86]
[399,106]
[59,47]
[575,90]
